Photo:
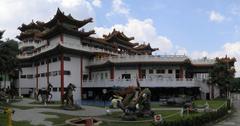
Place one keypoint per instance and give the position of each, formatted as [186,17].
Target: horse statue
[133,102]
[12,91]
[45,94]
[68,95]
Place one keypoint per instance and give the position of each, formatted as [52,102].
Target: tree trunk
[5,81]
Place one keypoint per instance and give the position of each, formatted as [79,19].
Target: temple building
[60,52]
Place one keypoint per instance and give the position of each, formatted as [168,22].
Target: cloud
[118,7]
[97,3]
[14,13]
[143,31]
[231,49]
[216,16]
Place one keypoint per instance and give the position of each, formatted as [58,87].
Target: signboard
[158,118]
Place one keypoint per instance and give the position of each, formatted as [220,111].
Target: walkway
[234,120]
[35,115]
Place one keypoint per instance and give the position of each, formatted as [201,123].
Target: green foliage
[8,60]
[223,73]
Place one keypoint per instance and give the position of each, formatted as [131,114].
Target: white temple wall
[133,71]
[71,39]
[55,40]
[27,82]
[42,80]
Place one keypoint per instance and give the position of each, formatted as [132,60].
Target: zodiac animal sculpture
[68,95]
[45,94]
[135,102]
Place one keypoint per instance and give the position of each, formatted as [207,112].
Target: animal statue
[45,94]
[68,95]
[135,102]
[12,91]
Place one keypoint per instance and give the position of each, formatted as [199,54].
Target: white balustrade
[160,82]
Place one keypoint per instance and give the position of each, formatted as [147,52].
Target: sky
[203,28]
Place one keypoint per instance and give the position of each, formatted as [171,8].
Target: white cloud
[216,16]
[231,49]
[143,31]
[118,7]
[97,3]
[13,13]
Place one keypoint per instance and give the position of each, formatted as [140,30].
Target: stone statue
[135,102]
[68,95]
[45,94]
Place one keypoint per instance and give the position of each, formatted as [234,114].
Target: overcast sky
[197,29]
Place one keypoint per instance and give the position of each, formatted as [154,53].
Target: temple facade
[60,52]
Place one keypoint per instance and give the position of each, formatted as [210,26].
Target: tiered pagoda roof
[145,47]
[31,30]
[59,24]
[120,37]
[60,17]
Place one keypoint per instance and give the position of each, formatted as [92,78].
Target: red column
[62,75]
[139,71]
[61,38]
[112,69]
[181,72]
[81,75]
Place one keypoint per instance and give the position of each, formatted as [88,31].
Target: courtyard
[28,113]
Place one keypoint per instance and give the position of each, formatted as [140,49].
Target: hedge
[199,120]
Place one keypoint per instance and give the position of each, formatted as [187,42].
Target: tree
[222,74]
[8,60]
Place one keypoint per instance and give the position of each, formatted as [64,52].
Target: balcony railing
[160,82]
[139,58]
[76,46]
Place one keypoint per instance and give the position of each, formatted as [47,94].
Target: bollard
[9,113]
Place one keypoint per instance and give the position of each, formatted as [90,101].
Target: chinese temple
[60,52]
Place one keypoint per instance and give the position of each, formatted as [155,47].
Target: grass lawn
[214,104]
[116,116]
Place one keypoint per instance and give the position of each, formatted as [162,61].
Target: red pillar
[181,72]
[81,75]
[61,38]
[139,71]
[112,70]
[62,76]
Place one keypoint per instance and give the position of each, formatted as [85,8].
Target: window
[101,76]
[54,73]
[54,59]
[66,58]
[67,72]
[42,74]
[23,76]
[55,89]
[170,71]
[126,76]
[106,75]
[160,71]
[29,76]
[85,76]
[150,71]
